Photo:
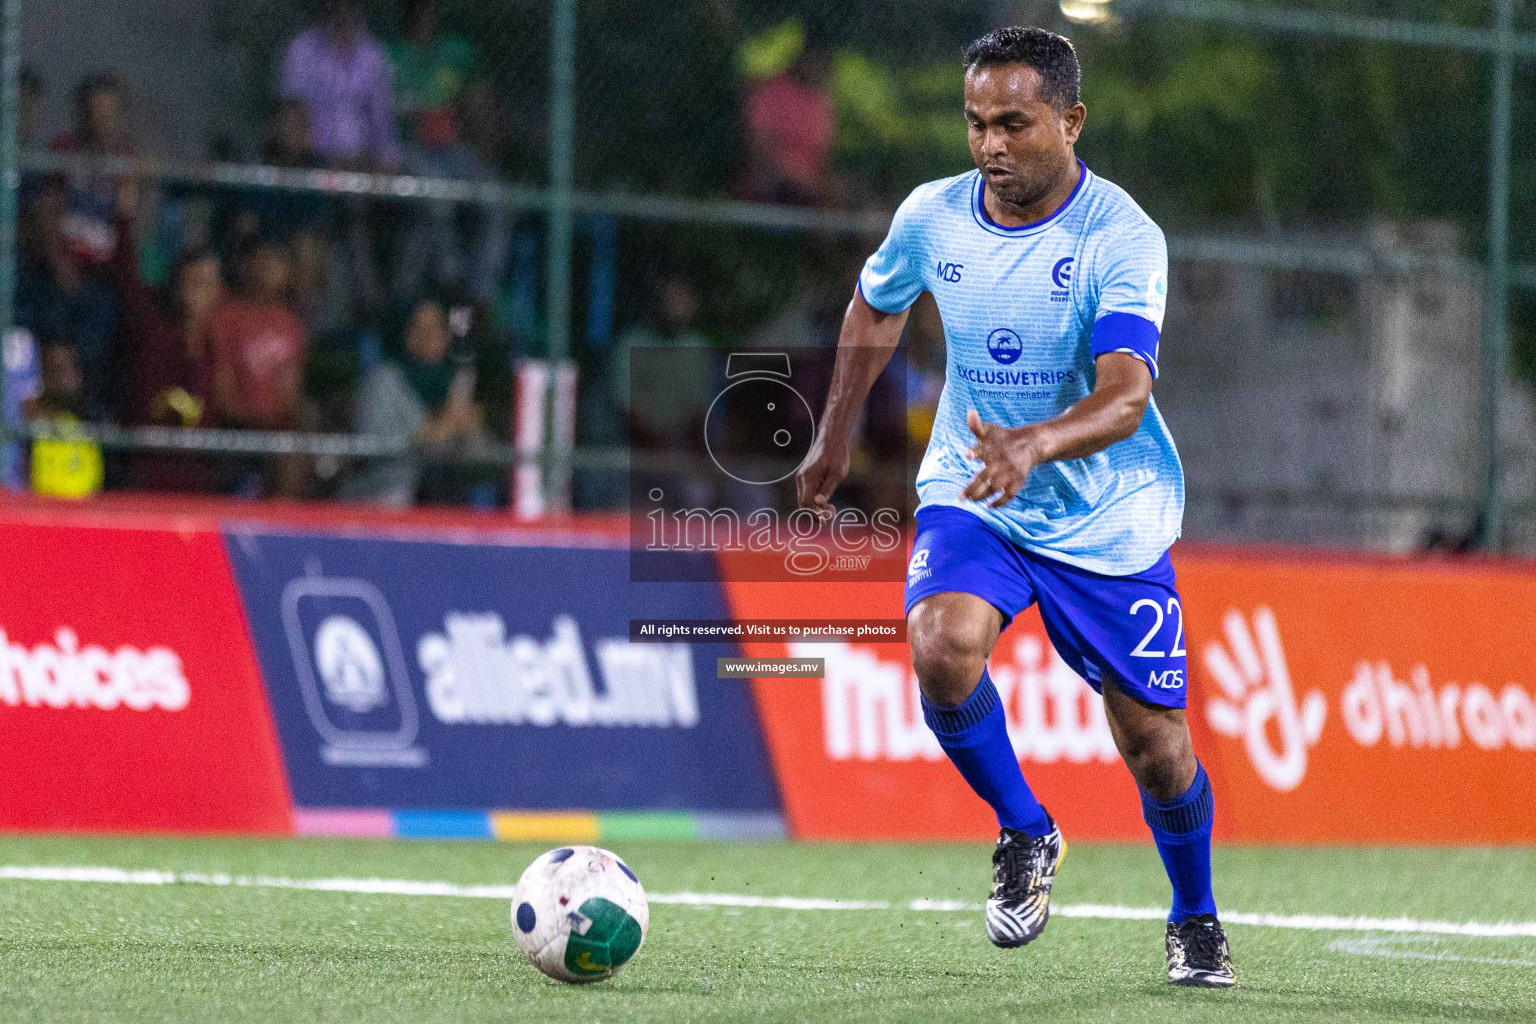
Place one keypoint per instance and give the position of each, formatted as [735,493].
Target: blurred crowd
[285,310]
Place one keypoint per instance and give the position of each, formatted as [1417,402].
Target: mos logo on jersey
[1005,346]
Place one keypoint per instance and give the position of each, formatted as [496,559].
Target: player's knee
[1161,760]
[948,660]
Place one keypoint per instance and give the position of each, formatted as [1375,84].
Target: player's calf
[951,635]
[1179,808]
[1153,741]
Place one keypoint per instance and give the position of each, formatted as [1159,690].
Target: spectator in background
[790,127]
[340,75]
[78,225]
[418,397]
[662,397]
[258,346]
[169,338]
[338,71]
[433,72]
[30,95]
[58,296]
[65,462]
[297,220]
[276,213]
[101,129]
[485,126]
[39,250]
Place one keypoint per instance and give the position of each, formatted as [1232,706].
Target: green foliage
[898,127]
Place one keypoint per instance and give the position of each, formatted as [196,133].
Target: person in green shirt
[421,396]
[433,70]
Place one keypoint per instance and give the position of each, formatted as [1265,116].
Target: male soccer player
[1050,477]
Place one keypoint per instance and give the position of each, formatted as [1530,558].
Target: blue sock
[975,736]
[1182,829]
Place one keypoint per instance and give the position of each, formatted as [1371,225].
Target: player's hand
[825,466]
[1006,457]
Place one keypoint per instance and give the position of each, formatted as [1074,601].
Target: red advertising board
[1371,701]
[856,761]
[1332,700]
[129,693]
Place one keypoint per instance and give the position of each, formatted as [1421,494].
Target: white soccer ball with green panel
[579,913]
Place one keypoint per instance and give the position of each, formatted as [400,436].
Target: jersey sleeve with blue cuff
[1131,275]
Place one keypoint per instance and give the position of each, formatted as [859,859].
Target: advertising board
[1331,700]
[129,695]
[415,673]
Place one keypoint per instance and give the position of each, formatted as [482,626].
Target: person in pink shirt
[790,127]
[258,346]
[341,74]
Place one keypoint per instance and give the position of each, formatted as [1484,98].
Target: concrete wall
[1280,383]
[183,85]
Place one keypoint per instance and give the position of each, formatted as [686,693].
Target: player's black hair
[1061,77]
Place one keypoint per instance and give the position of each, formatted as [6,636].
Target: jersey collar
[979,208]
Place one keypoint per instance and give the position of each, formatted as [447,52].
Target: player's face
[1020,143]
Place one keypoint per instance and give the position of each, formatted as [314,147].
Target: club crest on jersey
[918,569]
[1061,277]
[1005,345]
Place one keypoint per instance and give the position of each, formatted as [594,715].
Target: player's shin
[1182,829]
[975,736]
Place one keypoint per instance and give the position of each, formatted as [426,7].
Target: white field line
[405,887]
[1387,948]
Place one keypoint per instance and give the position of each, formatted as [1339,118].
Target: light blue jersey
[1026,310]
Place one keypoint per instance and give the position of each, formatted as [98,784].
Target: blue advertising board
[407,673]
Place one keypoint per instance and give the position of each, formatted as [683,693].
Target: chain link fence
[717,170]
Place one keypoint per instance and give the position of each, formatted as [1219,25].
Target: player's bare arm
[1109,414]
[864,347]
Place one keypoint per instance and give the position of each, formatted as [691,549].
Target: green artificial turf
[73,951]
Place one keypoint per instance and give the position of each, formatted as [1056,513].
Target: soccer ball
[579,914]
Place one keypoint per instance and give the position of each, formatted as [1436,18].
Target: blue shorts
[1128,628]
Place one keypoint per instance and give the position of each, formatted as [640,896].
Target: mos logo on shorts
[1005,345]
